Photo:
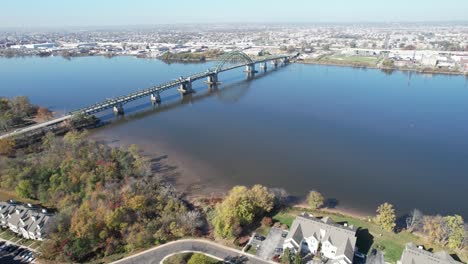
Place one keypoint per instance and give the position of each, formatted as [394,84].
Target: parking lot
[272,245]
[15,254]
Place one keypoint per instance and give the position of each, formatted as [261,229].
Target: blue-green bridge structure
[228,61]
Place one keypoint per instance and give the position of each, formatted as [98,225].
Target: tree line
[107,199]
[14,112]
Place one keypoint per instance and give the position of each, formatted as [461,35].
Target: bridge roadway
[121,100]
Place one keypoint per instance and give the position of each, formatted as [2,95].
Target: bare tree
[415,220]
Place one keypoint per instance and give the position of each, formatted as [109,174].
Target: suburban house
[26,220]
[322,236]
[417,255]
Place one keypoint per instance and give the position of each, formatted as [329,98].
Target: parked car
[279,250]
[284,234]
[259,237]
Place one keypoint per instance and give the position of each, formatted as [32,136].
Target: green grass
[370,235]
[7,234]
[263,230]
[285,217]
[184,258]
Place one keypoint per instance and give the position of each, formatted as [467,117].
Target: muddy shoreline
[195,179]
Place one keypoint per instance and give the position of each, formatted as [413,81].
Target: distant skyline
[84,13]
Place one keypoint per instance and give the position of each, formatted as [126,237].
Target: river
[359,136]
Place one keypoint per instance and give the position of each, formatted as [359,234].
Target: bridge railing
[109,103]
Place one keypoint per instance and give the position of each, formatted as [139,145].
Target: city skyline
[86,13]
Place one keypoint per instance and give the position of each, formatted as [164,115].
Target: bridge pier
[212,79]
[155,99]
[250,68]
[263,66]
[186,87]
[118,109]
[274,63]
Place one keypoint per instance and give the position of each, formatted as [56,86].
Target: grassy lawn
[285,217]
[263,230]
[252,250]
[185,257]
[7,235]
[370,235]
[350,60]
[11,195]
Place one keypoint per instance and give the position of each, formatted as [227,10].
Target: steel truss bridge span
[228,61]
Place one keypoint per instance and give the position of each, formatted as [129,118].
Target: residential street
[157,254]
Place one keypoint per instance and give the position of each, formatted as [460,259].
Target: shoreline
[423,71]
[196,180]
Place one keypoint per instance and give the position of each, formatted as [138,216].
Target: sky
[65,13]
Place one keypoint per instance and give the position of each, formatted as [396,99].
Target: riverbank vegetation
[191,56]
[107,199]
[19,111]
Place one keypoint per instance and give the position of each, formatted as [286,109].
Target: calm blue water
[360,136]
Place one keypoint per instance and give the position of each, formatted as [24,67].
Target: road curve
[157,254]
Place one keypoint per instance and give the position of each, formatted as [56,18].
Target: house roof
[26,217]
[414,255]
[340,236]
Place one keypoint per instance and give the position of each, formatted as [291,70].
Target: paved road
[36,126]
[157,254]
[272,241]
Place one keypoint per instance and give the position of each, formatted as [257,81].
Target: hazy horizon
[120,13]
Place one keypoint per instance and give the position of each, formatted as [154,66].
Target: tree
[261,198]
[436,228]
[386,216]
[240,207]
[287,256]
[24,189]
[267,221]
[7,146]
[388,63]
[456,231]
[198,258]
[315,200]
[44,113]
[298,258]
[414,220]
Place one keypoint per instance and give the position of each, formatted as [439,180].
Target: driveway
[271,242]
[156,255]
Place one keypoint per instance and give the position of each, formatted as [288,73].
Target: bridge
[228,61]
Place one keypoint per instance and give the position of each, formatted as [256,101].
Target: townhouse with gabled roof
[417,255]
[26,220]
[322,235]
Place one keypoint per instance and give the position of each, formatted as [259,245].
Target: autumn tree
[436,228]
[456,228]
[44,113]
[7,146]
[385,217]
[240,207]
[315,200]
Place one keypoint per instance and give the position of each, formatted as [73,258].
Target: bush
[267,221]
